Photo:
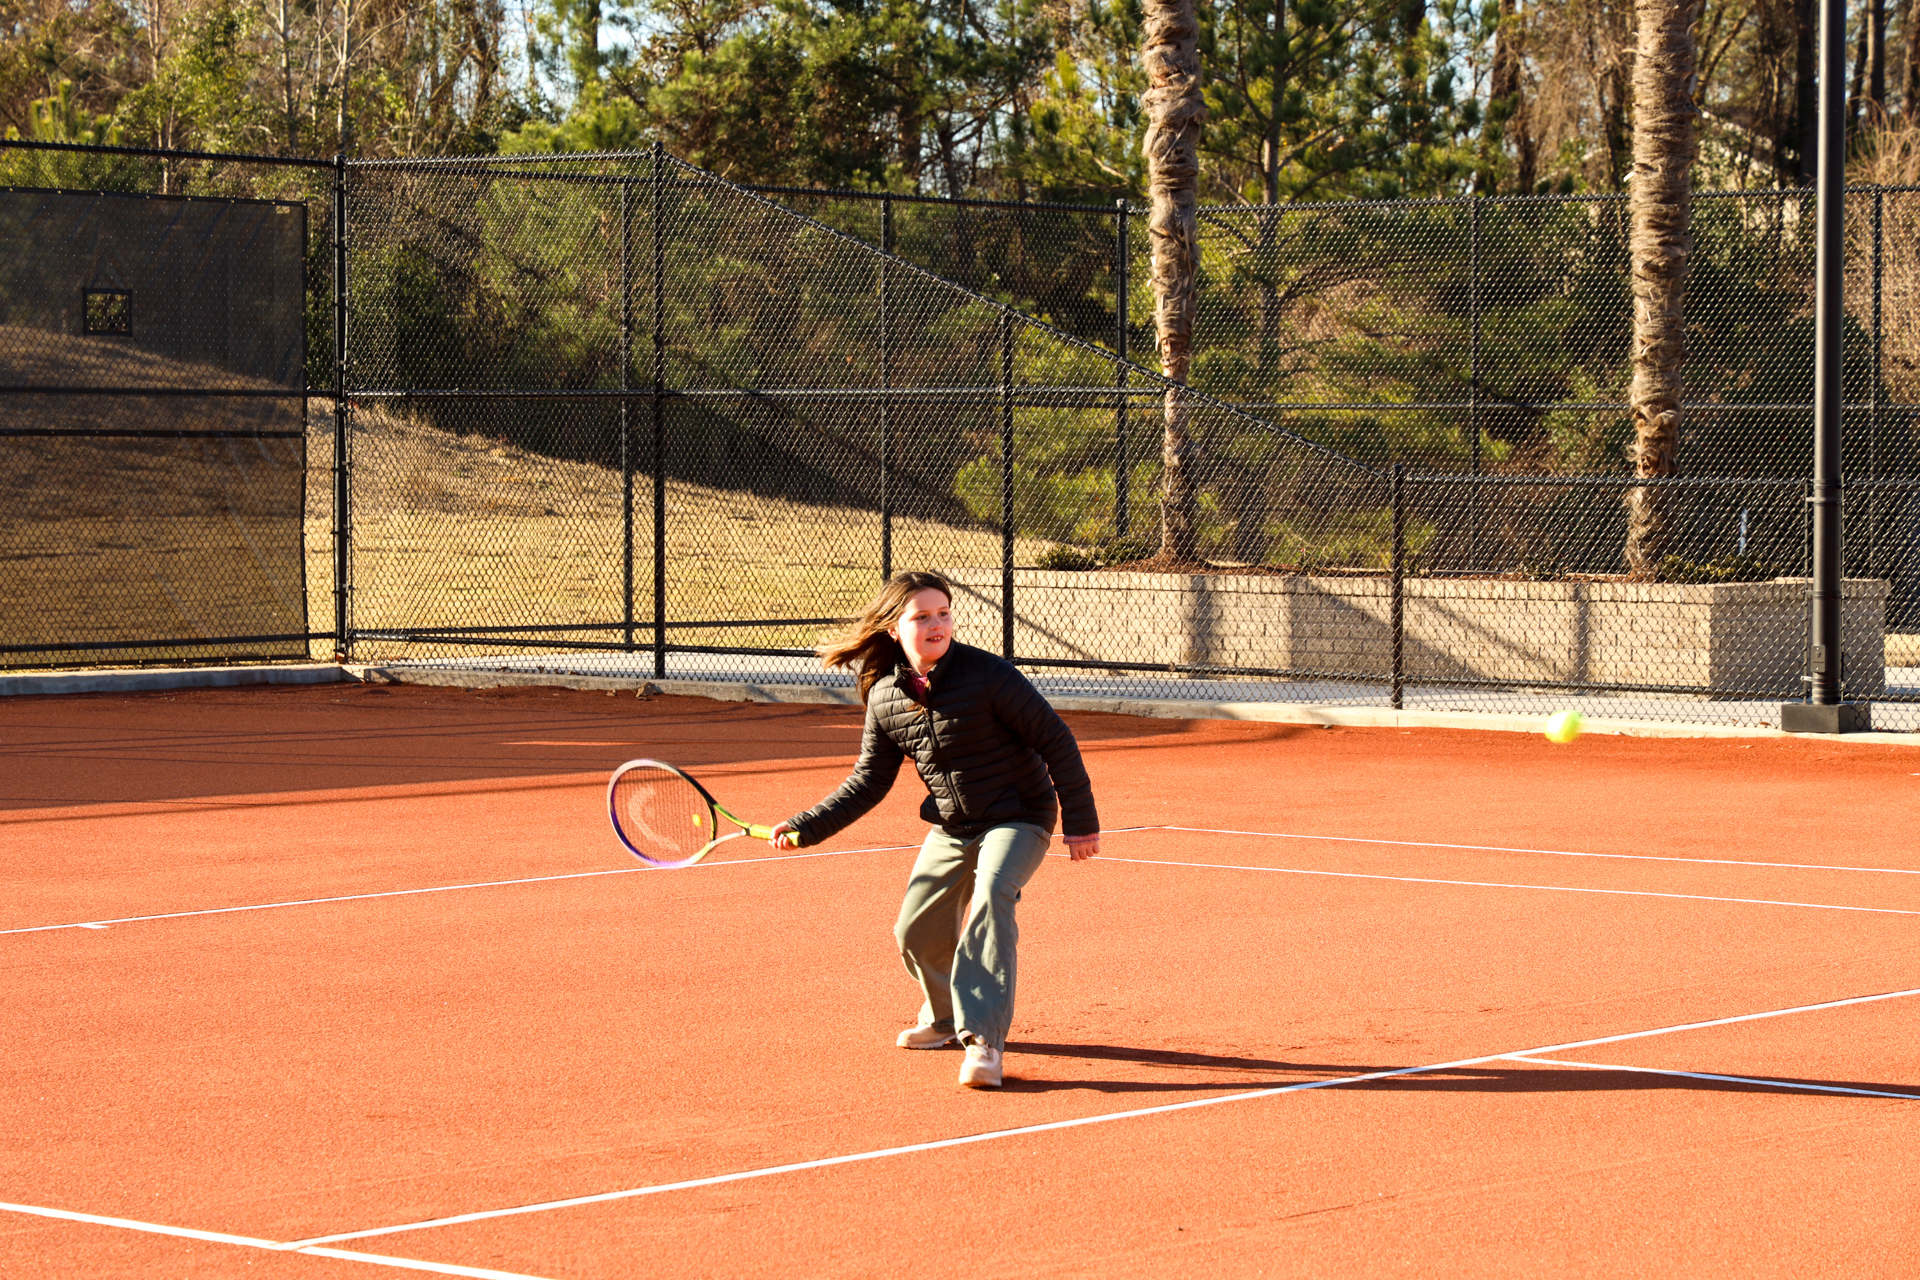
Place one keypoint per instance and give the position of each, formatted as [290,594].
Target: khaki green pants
[956,929]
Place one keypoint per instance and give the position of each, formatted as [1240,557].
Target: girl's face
[925,628]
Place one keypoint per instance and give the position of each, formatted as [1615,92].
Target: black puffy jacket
[985,743]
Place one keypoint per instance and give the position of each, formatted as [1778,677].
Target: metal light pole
[342,427]
[1824,712]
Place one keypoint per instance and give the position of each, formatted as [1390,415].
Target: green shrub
[1068,558]
[1725,569]
[1140,544]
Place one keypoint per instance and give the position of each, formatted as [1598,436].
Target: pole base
[1842,717]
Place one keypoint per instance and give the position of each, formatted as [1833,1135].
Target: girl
[992,754]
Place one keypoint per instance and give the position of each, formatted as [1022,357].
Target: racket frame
[715,811]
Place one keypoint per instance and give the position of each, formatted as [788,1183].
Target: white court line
[1555,853]
[893,848]
[251,1242]
[414,1264]
[1707,1075]
[1083,1121]
[1489,884]
[446,888]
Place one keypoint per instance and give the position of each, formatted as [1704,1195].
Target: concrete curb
[1165,709]
[150,679]
[1497,722]
[717,690]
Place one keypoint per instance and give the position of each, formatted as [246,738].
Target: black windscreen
[152,427]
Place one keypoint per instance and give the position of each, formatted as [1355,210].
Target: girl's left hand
[1080,848]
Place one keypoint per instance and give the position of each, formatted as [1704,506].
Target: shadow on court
[119,748]
[1264,1073]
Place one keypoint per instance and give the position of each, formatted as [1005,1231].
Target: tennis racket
[667,819]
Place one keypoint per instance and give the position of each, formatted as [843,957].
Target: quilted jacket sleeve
[865,787]
[1019,706]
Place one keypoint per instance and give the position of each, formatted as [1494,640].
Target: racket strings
[662,815]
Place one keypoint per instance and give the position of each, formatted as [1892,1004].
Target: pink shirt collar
[915,683]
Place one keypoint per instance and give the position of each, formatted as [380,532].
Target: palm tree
[1665,80]
[1170,54]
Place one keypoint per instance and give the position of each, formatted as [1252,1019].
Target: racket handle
[760,833]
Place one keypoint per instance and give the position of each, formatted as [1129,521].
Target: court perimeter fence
[611,414]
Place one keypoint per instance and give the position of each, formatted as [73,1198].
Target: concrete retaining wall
[1735,636]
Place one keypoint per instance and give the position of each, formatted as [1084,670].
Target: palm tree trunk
[1170,54]
[1877,62]
[1910,36]
[1270,165]
[1665,79]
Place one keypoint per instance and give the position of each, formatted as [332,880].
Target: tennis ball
[1563,726]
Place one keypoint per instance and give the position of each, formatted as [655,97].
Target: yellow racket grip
[760,833]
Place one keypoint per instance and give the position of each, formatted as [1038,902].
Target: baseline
[444,888]
[1154,862]
[1076,1123]
[1490,884]
[252,1242]
[1553,853]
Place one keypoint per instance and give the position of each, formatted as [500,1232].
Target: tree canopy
[1306,99]
[1451,334]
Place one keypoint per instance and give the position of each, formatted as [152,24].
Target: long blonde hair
[865,646]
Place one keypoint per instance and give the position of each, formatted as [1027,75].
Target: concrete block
[1717,635]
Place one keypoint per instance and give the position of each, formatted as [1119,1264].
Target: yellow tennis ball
[1563,726]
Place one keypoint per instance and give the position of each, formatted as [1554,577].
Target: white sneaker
[981,1070]
[925,1037]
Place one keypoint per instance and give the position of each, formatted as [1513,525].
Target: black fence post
[1828,358]
[1399,603]
[342,456]
[1874,407]
[626,408]
[1478,496]
[1806,570]
[886,406]
[1806,530]
[1006,485]
[659,414]
[1122,465]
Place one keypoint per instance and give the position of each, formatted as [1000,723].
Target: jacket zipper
[939,756]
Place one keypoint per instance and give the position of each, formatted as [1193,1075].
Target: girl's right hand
[784,837]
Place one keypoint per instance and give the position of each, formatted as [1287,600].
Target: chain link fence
[1485,346]
[612,414]
[616,415]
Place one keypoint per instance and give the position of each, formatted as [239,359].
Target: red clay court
[342,979]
